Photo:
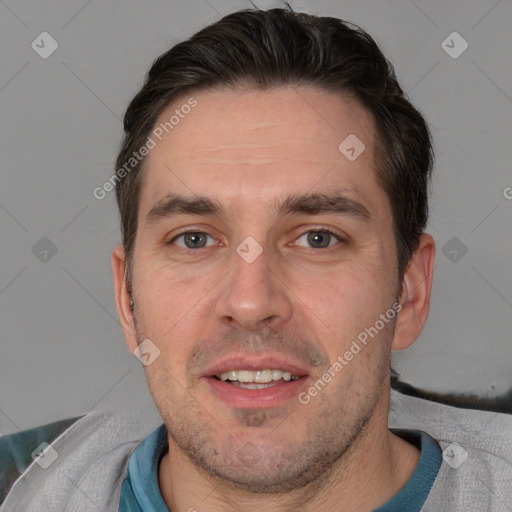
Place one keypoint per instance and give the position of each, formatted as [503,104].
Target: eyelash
[317,230]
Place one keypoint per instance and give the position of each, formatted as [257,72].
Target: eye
[192,240]
[320,238]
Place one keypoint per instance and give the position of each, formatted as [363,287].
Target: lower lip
[255,398]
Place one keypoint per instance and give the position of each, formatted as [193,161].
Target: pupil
[319,238]
[193,239]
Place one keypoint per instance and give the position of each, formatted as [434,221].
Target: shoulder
[485,429]
[477,452]
[18,450]
[88,459]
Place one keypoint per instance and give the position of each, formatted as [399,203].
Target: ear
[123,297]
[415,297]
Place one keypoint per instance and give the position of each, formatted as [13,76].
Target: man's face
[212,307]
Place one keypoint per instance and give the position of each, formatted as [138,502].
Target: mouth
[259,379]
[255,384]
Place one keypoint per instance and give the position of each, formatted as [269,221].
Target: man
[272,187]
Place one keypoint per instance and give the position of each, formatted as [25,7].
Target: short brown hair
[267,49]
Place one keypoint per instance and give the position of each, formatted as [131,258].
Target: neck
[365,477]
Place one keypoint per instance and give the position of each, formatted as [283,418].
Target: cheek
[173,311]
[170,297]
[344,308]
[344,298]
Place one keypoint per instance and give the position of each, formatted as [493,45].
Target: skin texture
[249,150]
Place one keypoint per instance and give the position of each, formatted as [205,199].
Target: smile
[256,379]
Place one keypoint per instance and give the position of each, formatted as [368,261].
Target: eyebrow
[309,204]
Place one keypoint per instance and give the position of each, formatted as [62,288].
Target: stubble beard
[271,463]
[263,457]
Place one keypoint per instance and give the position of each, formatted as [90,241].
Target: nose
[254,295]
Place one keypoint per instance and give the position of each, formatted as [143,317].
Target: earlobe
[415,296]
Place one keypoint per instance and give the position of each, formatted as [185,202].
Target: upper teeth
[262,376]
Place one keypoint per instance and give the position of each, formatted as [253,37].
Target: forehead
[249,147]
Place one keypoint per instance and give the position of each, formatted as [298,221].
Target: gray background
[62,352]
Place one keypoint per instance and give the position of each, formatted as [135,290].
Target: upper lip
[255,362]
